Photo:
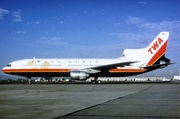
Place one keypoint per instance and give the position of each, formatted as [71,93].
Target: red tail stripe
[158,54]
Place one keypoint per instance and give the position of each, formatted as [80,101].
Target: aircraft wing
[106,67]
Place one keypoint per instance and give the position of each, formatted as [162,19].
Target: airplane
[133,62]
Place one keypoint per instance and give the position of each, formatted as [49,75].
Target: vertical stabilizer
[151,54]
[157,48]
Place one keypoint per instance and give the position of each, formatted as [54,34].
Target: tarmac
[90,101]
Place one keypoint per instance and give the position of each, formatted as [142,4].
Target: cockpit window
[9,65]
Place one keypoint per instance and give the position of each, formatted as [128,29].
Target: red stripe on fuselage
[23,70]
[54,70]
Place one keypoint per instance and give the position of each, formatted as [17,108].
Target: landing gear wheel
[98,81]
[93,81]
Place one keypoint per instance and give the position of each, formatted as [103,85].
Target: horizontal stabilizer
[158,65]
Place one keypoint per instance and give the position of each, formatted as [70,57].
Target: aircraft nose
[4,69]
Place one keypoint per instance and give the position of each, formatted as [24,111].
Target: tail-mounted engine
[79,75]
[163,60]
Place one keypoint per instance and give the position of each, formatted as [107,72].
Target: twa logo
[155,45]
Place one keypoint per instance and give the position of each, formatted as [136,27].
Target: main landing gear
[96,81]
[29,80]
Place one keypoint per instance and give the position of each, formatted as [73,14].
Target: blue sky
[86,28]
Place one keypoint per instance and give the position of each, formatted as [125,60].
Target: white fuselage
[65,63]
[134,61]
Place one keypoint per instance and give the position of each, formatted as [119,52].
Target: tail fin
[157,48]
[152,54]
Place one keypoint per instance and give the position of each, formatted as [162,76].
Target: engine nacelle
[79,75]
